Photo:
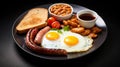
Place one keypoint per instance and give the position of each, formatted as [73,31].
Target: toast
[35,17]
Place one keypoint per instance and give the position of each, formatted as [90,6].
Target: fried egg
[51,40]
[71,42]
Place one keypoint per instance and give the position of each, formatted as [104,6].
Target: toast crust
[35,17]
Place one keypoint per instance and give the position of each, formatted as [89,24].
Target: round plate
[20,39]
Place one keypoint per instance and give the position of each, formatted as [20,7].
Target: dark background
[108,55]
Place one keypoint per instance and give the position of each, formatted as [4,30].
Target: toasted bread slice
[35,17]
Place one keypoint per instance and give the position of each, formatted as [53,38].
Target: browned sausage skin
[34,47]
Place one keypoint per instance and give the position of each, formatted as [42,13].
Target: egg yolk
[52,35]
[71,40]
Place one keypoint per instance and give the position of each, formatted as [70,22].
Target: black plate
[19,39]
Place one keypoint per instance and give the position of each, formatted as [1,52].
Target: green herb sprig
[65,28]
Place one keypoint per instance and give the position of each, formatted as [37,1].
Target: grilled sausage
[40,34]
[38,49]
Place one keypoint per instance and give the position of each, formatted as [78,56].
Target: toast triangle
[35,17]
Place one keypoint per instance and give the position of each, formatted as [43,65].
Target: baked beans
[61,9]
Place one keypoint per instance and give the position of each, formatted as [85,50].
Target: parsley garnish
[58,30]
[66,28]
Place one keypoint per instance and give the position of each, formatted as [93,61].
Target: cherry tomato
[55,24]
[51,20]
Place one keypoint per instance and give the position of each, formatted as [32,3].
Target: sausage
[38,49]
[40,34]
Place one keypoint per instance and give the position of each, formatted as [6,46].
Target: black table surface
[108,55]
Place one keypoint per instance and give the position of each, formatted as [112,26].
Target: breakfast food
[77,28]
[61,9]
[40,34]
[87,18]
[73,42]
[38,49]
[52,22]
[67,40]
[35,17]
[52,36]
